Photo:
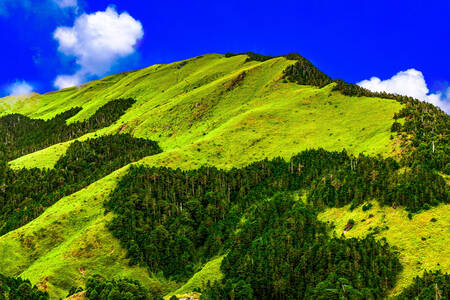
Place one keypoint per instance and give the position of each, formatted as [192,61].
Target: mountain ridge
[202,111]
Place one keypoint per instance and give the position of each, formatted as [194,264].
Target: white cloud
[409,83]
[65,81]
[97,41]
[20,88]
[67,3]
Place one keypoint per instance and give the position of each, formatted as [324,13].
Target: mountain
[84,181]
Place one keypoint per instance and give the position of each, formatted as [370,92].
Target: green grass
[416,254]
[210,272]
[198,120]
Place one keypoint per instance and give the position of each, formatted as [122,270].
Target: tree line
[431,285]
[20,135]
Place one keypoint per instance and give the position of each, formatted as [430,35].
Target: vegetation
[251,56]
[432,285]
[424,135]
[171,220]
[303,72]
[228,113]
[393,225]
[17,288]
[272,254]
[20,135]
[26,193]
[230,128]
[98,288]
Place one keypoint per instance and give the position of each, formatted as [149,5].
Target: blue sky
[55,43]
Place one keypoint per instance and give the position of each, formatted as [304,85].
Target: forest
[173,221]
[99,288]
[272,253]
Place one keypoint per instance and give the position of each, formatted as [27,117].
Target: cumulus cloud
[20,88]
[97,41]
[409,83]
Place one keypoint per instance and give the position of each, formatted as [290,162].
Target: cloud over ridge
[97,41]
[409,83]
[20,88]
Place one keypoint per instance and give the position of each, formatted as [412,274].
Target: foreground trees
[282,252]
[18,289]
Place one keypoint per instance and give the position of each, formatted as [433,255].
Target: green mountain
[85,190]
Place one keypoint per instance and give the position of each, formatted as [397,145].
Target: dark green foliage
[396,127]
[24,194]
[20,135]
[432,285]
[425,136]
[98,288]
[172,220]
[74,290]
[19,289]
[228,289]
[367,207]
[283,252]
[303,72]
[251,56]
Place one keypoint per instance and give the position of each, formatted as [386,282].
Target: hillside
[211,110]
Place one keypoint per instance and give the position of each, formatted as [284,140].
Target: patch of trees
[281,251]
[25,193]
[432,285]
[303,72]
[20,135]
[251,56]
[174,220]
[98,288]
[18,289]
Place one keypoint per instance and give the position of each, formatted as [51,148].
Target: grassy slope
[198,118]
[210,272]
[416,254]
[190,108]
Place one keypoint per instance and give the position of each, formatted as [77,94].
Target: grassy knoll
[210,272]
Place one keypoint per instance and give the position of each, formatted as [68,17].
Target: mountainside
[107,208]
